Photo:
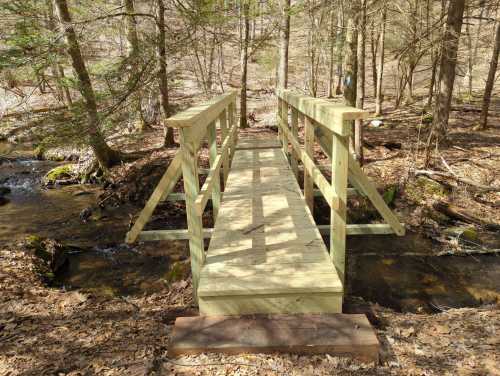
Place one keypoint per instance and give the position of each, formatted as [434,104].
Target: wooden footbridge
[266,254]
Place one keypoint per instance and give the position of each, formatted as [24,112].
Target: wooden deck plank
[336,334]
[263,226]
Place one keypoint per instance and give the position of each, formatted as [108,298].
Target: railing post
[224,133]
[212,150]
[295,133]
[308,148]
[283,111]
[232,123]
[340,157]
[191,189]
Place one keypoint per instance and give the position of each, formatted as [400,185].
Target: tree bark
[131,28]
[374,41]
[360,95]
[161,56]
[490,81]
[331,73]
[339,41]
[56,67]
[244,64]
[104,154]
[350,60]
[284,40]
[448,62]
[380,69]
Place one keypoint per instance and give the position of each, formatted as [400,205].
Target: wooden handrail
[202,114]
[206,190]
[332,116]
[312,169]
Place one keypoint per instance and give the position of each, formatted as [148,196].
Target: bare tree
[446,79]
[360,96]
[244,63]
[104,154]
[284,39]
[380,68]
[490,81]
[161,55]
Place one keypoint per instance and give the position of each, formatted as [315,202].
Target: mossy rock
[58,173]
[422,188]
[467,233]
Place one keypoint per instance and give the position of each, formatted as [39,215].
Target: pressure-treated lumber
[203,114]
[164,187]
[213,179]
[336,334]
[327,114]
[361,182]
[314,171]
[309,151]
[189,154]
[264,226]
[340,152]
[181,234]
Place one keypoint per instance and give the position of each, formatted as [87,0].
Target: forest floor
[47,331]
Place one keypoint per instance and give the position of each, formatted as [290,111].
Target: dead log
[475,185]
[454,212]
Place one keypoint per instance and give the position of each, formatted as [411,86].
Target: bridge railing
[194,125]
[329,124]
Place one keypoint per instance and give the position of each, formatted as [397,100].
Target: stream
[102,264]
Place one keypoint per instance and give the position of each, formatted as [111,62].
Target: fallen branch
[460,214]
[478,186]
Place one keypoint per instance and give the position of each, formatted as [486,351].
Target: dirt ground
[46,331]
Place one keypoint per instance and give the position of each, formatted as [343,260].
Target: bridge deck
[266,254]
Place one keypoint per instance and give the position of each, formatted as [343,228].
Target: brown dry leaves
[45,331]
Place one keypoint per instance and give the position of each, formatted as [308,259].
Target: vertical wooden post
[295,133]
[212,155]
[191,189]
[224,132]
[283,110]
[232,123]
[280,138]
[308,148]
[340,156]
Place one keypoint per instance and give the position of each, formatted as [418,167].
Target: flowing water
[100,262]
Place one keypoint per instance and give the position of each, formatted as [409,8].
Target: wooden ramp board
[266,254]
[336,334]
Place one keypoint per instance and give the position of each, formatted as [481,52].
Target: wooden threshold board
[336,334]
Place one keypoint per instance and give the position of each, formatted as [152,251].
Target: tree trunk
[56,67]
[350,60]
[483,122]
[380,69]
[448,62]
[339,41]
[374,40]
[244,64]
[360,96]
[430,95]
[331,75]
[161,56]
[131,29]
[284,39]
[104,154]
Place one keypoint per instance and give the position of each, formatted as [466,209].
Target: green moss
[427,119]
[390,194]
[177,272]
[422,188]
[59,172]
